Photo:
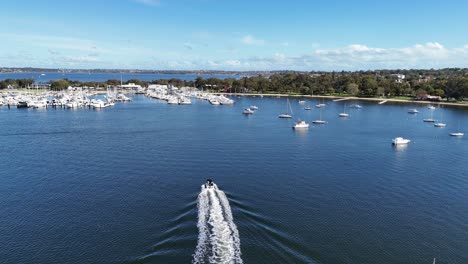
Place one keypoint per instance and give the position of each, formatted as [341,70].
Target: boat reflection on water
[400,147]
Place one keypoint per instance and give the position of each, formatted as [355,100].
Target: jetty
[340,99]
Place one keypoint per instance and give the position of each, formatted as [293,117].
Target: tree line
[447,83]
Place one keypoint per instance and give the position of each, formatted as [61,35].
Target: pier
[340,99]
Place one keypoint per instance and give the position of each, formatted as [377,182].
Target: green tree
[59,84]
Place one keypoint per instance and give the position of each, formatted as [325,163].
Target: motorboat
[429,120]
[301,125]
[301,102]
[440,124]
[413,111]
[431,107]
[253,107]
[344,115]
[457,134]
[248,111]
[400,141]
[209,184]
[307,108]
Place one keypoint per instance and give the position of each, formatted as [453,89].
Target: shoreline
[372,99]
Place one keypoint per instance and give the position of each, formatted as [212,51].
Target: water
[102,77]
[122,185]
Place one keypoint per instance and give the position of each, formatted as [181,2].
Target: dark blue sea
[121,185]
[101,77]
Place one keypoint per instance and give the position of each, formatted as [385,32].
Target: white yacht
[301,125]
[173,100]
[213,101]
[440,124]
[400,141]
[457,134]
[429,120]
[253,107]
[248,111]
[431,107]
[413,111]
[307,108]
[185,101]
[301,102]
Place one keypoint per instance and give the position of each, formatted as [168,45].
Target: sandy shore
[355,98]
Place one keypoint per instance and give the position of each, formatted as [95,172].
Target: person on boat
[209,183]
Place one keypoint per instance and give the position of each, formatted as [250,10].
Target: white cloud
[352,57]
[251,40]
[149,2]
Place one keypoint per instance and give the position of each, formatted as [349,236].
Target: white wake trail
[218,238]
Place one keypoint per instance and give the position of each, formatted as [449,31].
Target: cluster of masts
[437,123]
[301,124]
[63,99]
[183,95]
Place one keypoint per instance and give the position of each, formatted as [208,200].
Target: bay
[120,185]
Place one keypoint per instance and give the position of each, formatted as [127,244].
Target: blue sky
[234,35]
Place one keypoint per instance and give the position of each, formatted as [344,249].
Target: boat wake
[218,237]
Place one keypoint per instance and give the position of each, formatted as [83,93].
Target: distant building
[399,78]
[427,97]
[130,86]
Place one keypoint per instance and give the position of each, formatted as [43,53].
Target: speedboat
[320,105]
[301,102]
[307,108]
[440,125]
[253,107]
[430,120]
[457,134]
[413,111]
[343,114]
[431,107]
[248,111]
[301,125]
[209,184]
[400,141]
[285,116]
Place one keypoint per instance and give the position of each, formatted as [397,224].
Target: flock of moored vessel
[76,98]
[65,99]
[301,124]
[182,96]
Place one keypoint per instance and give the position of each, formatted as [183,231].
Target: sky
[237,35]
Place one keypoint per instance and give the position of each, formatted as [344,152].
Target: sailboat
[440,124]
[344,114]
[288,113]
[320,121]
[457,134]
[429,119]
